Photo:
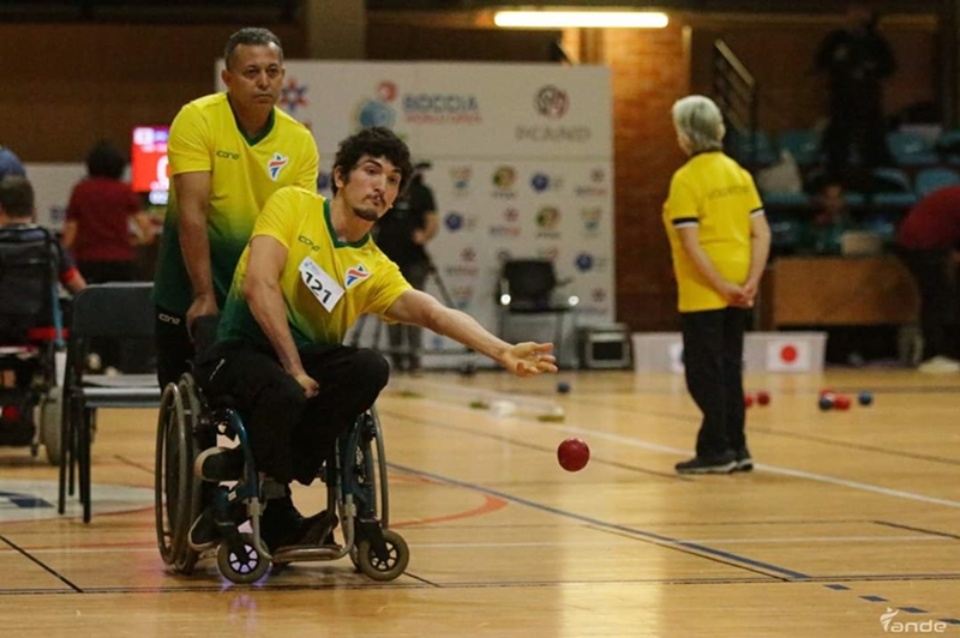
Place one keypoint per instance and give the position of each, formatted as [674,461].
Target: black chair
[114,311]
[528,287]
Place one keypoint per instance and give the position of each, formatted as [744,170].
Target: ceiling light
[581,19]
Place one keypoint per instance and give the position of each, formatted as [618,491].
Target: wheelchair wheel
[51,409]
[176,492]
[243,567]
[398,556]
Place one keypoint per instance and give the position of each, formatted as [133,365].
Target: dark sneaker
[219,464]
[203,533]
[744,462]
[708,465]
[283,526]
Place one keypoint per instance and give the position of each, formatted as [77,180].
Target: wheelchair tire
[246,568]
[176,491]
[51,411]
[398,557]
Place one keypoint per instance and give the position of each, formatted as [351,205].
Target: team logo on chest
[276,164]
[355,275]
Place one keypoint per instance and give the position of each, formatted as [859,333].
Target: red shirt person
[925,240]
[98,230]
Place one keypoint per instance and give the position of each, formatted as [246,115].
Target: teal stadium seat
[931,179]
[803,144]
[911,149]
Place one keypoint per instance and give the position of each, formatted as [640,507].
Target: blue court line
[660,539]
[913,610]
[837,587]
[875,599]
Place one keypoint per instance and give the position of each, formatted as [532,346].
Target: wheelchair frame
[355,477]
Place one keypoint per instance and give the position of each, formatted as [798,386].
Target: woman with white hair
[720,240]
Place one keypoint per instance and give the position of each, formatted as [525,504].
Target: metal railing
[736,92]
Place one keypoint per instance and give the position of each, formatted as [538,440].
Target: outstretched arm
[522,359]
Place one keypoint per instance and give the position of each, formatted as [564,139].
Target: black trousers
[175,349]
[291,435]
[713,367]
[938,297]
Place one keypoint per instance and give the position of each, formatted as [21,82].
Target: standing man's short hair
[250,36]
[16,196]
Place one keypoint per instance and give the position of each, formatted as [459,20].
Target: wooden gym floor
[851,518]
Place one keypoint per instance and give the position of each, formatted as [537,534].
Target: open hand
[530,359]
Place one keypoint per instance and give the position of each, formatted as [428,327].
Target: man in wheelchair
[31,264]
[309,271]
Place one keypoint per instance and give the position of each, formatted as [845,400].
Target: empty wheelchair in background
[30,336]
[355,477]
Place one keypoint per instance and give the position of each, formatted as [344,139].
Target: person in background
[856,59]
[228,152]
[10,164]
[402,236]
[926,241]
[720,241]
[105,220]
[831,218]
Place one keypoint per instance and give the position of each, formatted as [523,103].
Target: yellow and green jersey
[244,172]
[326,283]
[717,196]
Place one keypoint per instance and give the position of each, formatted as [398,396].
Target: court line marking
[784,471]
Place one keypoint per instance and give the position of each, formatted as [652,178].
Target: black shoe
[744,462]
[219,464]
[204,533]
[723,464]
[283,526]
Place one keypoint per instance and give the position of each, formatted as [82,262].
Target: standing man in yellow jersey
[720,242]
[310,270]
[228,152]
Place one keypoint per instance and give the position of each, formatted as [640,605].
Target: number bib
[327,291]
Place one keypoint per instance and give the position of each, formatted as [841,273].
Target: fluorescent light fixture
[577,19]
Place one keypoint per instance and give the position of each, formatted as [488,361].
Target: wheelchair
[30,337]
[354,474]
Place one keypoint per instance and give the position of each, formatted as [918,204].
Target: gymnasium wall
[68,85]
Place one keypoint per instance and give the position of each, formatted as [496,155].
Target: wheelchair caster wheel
[398,556]
[245,567]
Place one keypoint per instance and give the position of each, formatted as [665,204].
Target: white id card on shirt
[324,287]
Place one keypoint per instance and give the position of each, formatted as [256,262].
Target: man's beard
[366,214]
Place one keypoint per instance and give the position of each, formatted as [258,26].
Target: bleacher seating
[933,178]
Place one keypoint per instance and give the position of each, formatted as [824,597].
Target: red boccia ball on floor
[573,454]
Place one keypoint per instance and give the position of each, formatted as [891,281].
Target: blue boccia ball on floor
[563,387]
[865,398]
[826,403]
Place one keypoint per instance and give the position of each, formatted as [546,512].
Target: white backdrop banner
[521,167]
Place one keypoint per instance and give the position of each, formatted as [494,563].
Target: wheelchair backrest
[29,260]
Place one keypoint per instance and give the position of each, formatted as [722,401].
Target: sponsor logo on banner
[552,103]
[541,182]
[462,295]
[548,222]
[377,111]
[509,228]
[441,108]
[466,267]
[453,221]
[503,180]
[598,295]
[460,178]
[788,355]
[591,219]
[587,262]
[597,186]
[292,96]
